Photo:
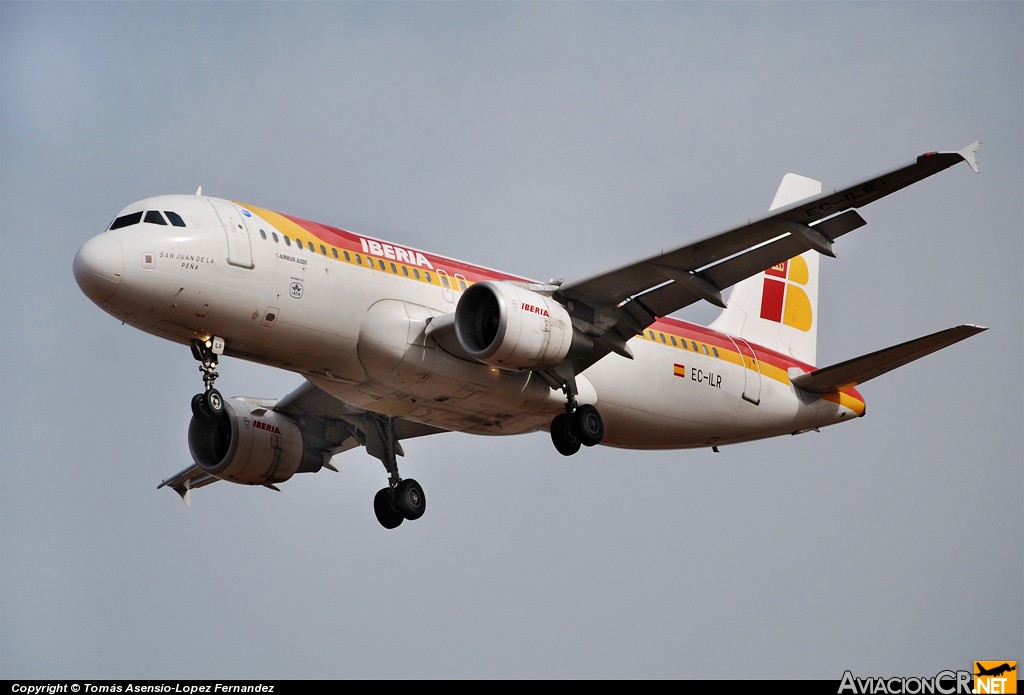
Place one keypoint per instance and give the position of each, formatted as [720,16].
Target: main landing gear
[401,499]
[579,425]
[208,405]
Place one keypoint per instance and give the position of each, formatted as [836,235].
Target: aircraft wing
[615,305]
[329,425]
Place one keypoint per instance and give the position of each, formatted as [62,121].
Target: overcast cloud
[549,140]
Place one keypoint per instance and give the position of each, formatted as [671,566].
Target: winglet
[970,155]
[185,490]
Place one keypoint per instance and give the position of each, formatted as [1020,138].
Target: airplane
[997,671]
[394,342]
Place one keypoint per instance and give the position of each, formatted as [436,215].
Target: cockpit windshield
[150,217]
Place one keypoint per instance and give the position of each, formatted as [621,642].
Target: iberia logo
[995,677]
[782,299]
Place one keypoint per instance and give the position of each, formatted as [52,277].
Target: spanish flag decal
[679,370]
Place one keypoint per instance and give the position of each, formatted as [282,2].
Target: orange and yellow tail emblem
[783,298]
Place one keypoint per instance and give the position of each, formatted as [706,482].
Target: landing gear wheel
[214,404]
[199,410]
[564,435]
[588,424]
[409,499]
[384,508]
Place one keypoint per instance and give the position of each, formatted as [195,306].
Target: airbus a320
[395,342]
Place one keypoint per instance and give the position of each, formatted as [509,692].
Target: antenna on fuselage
[199,191]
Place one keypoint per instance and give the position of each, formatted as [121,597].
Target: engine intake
[250,446]
[515,328]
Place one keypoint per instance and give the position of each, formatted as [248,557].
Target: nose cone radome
[98,266]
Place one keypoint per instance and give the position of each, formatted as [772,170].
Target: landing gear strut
[579,425]
[401,499]
[208,405]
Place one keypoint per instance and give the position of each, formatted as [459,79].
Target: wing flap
[195,476]
[616,286]
[187,480]
[860,369]
[670,297]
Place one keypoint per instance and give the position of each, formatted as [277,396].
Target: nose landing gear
[208,405]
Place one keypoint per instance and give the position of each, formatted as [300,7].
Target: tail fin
[778,308]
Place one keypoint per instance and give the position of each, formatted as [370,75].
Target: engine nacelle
[250,446]
[511,327]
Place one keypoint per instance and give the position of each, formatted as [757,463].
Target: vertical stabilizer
[778,308]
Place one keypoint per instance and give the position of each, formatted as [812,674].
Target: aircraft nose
[98,266]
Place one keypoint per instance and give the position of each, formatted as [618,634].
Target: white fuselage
[357,330]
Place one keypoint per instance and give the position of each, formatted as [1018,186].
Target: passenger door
[239,247]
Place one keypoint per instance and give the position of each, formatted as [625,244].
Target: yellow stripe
[845,400]
[767,369]
[301,235]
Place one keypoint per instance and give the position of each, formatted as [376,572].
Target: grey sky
[549,140]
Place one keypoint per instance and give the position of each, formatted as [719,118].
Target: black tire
[199,411]
[384,508]
[564,435]
[410,501]
[589,425]
[214,404]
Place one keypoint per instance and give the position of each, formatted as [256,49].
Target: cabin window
[273,235]
[462,283]
[287,241]
[263,235]
[334,251]
[394,269]
[416,273]
[154,217]
[694,344]
[359,259]
[347,257]
[427,276]
[310,244]
[126,220]
[705,348]
[444,282]
[673,339]
[714,350]
[324,250]
[662,336]
[650,334]
[175,218]
[405,270]
[380,263]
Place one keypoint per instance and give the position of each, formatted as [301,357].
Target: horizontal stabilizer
[860,369]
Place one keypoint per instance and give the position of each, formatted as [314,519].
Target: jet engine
[250,445]
[514,328]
